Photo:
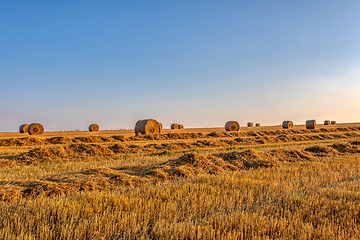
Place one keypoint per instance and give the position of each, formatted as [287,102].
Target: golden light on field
[178,178]
[179,120]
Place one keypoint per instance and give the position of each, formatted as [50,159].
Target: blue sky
[67,64]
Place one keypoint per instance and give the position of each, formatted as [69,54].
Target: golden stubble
[304,186]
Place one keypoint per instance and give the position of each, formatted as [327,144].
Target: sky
[67,64]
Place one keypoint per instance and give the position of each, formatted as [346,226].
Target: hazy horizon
[200,63]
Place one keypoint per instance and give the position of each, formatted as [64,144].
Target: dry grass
[187,165]
[64,149]
[261,184]
[302,200]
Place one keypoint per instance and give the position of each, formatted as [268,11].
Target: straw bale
[161,126]
[257,125]
[174,126]
[35,129]
[327,122]
[93,127]
[24,128]
[148,126]
[310,124]
[181,126]
[287,124]
[333,122]
[250,124]
[232,126]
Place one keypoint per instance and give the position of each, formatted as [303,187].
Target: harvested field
[167,185]
[33,141]
[187,165]
[98,147]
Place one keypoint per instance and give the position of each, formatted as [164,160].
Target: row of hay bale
[328,122]
[176,126]
[146,126]
[310,124]
[235,126]
[32,129]
[151,126]
[38,129]
[250,124]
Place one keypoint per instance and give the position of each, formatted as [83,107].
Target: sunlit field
[256,183]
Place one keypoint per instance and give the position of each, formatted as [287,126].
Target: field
[257,183]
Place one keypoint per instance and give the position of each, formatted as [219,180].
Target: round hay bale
[148,126]
[232,126]
[35,129]
[93,127]
[250,124]
[287,124]
[174,126]
[310,124]
[257,125]
[181,126]
[327,122]
[333,122]
[24,128]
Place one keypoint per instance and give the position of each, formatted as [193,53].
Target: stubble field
[257,183]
